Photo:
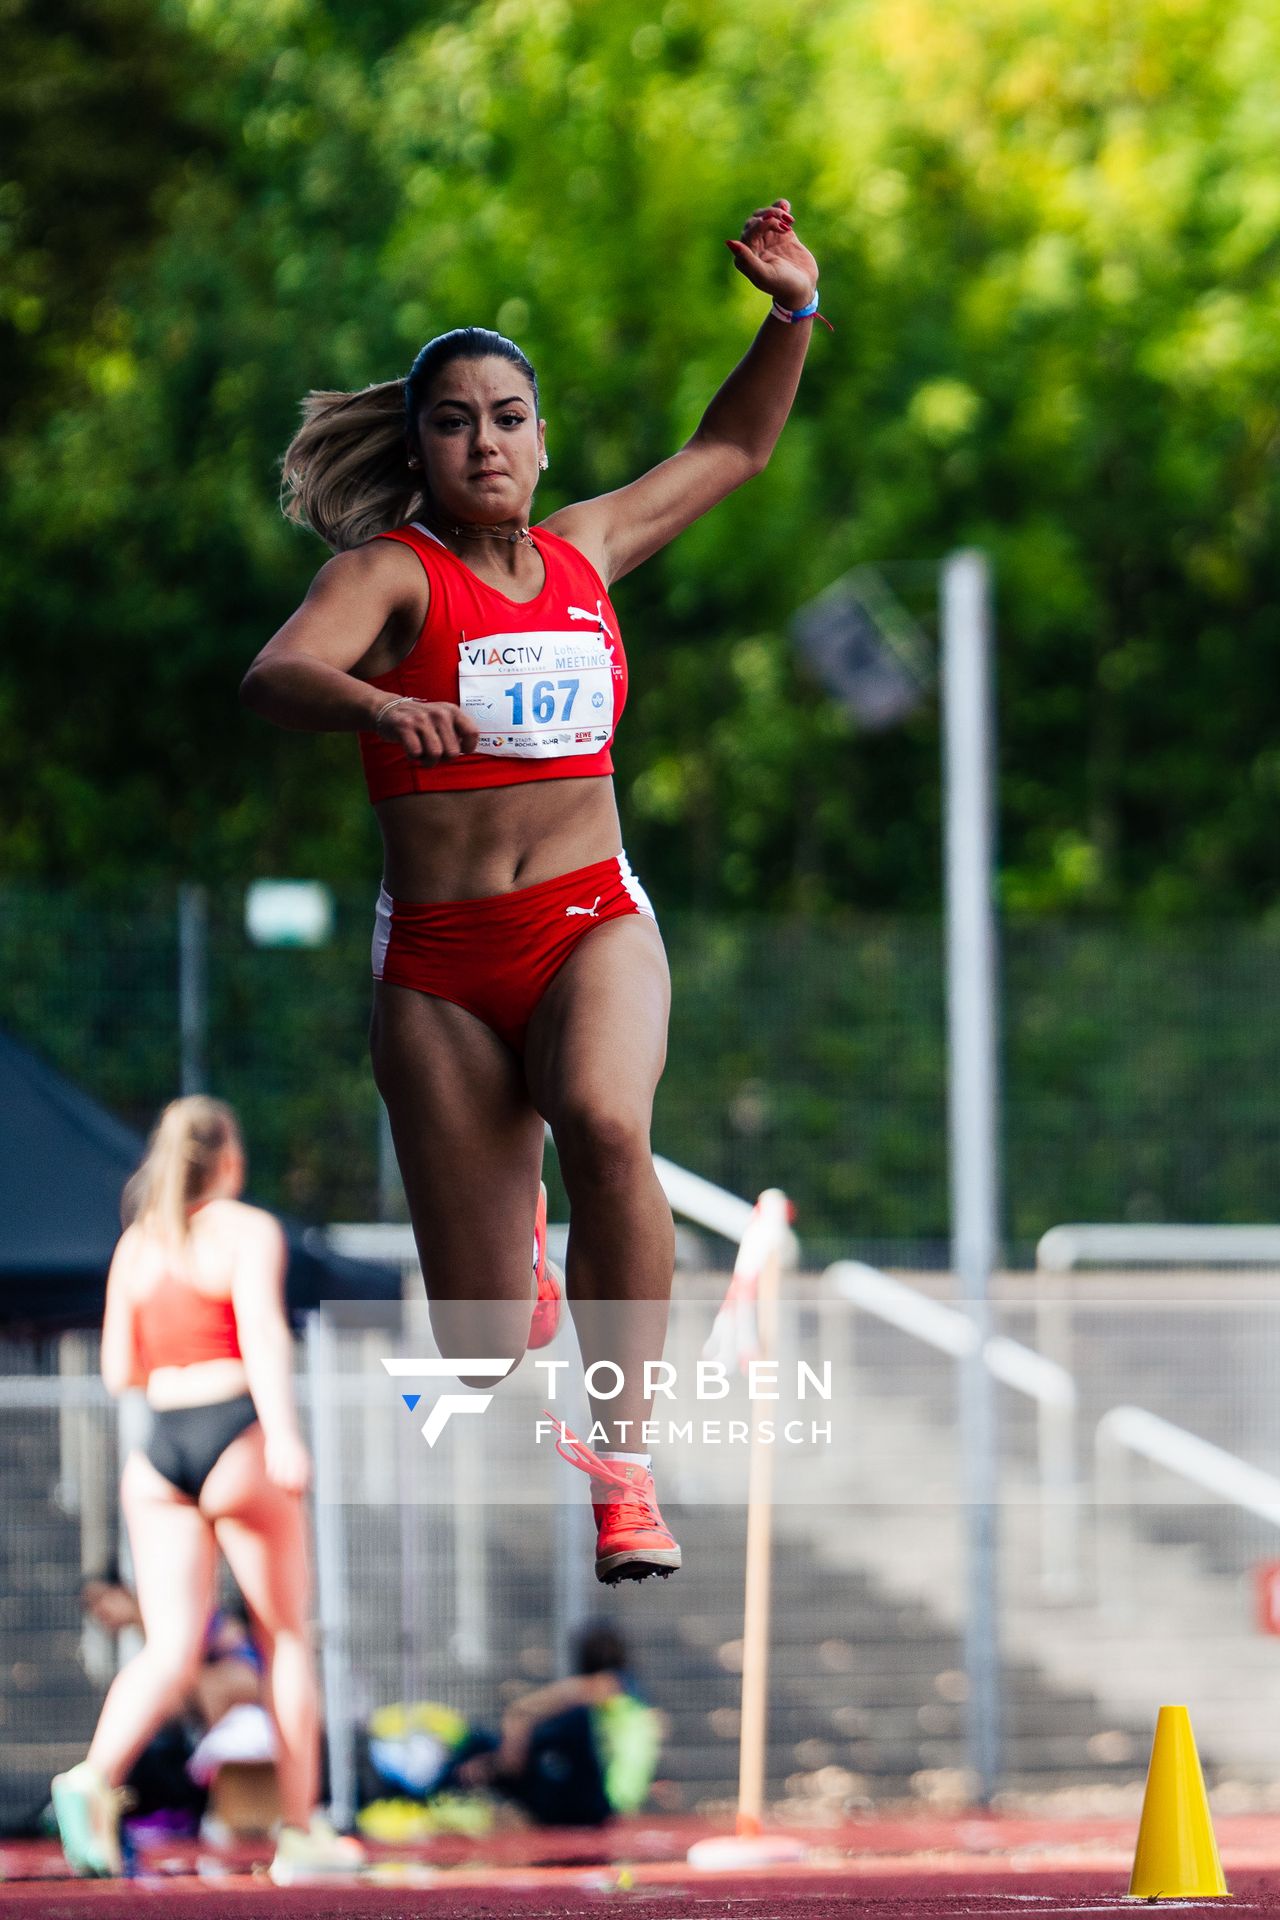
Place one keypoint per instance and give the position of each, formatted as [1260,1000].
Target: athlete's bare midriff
[488,840]
[203,1383]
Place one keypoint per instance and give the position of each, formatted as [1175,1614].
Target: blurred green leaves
[1050,243]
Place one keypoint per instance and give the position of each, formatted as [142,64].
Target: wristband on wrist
[396,700]
[791,314]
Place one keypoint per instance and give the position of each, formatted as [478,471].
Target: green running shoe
[88,1815]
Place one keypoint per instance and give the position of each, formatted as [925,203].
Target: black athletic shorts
[186,1441]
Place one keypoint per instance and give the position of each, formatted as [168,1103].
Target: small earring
[544,463]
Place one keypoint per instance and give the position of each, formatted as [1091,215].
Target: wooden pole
[755,1625]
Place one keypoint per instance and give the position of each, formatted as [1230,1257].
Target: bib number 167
[542,700]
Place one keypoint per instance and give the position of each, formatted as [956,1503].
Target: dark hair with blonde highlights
[346,472]
[463,343]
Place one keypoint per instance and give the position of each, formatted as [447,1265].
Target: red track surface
[965,1865]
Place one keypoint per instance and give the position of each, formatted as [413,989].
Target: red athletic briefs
[497,956]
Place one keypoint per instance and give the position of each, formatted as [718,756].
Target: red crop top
[176,1325]
[545,679]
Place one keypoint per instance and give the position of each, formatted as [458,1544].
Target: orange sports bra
[176,1326]
[544,679]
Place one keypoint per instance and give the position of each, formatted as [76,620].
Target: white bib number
[538,695]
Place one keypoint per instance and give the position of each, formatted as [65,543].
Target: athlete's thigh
[262,1530]
[468,1141]
[174,1558]
[597,1041]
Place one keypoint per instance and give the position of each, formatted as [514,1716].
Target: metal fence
[1141,1082]
[456,1573]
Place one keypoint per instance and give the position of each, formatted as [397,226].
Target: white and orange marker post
[746,1329]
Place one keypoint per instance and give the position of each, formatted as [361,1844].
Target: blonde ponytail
[346,471]
[179,1164]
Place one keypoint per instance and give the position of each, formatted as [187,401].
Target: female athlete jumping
[519,971]
[195,1314]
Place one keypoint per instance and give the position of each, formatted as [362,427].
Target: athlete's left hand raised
[773,258]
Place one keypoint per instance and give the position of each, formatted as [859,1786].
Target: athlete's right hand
[430,730]
[288,1462]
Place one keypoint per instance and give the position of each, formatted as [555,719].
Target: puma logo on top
[580,613]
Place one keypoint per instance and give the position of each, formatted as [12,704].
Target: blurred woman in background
[195,1314]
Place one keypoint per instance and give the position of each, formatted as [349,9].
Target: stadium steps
[868,1601]
[860,1681]
[1189,1633]
[48,1704]
[869,1595]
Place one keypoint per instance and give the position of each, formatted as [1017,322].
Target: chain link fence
[457,1572]
[1140,1080]
[1140,1083]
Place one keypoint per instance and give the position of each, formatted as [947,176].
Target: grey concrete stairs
[869,1599]
[48,1705]
[1180,1626]
[862,1680]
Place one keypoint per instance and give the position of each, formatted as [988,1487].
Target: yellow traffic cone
[1177,1855]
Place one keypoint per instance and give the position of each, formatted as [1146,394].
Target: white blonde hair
[179,1164]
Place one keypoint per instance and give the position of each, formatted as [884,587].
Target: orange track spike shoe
[545,1323]
[633,1542]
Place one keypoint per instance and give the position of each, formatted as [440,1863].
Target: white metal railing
[1125,1432]
[689,1195]
[331,1577]
[947,1329]
[951,1331]
[383,1240]
[702,1202]
[1063,1249]
[1123,1435]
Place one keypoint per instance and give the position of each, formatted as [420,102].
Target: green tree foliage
[1049,246]
[99,106]
[806,1051]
